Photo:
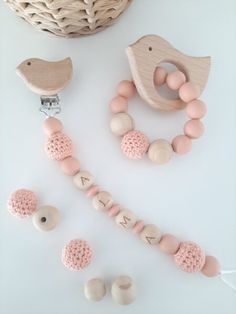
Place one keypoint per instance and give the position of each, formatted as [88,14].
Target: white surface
[192,196]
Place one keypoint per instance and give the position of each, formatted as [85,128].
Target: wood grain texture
[45,78]
[149,52]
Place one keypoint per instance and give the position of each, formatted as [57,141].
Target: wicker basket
[69,18]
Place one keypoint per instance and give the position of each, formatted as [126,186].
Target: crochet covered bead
[76,255]
[58,146]
[134,144]
[22,203]
[190,257]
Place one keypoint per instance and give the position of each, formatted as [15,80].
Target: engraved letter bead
[102,201]
[126,219]
[151,234]
[83,180]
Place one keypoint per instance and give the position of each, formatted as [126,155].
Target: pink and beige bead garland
[135,144]
[188,256]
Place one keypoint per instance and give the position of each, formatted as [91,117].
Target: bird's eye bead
[58,146]
[22,203]
[194,128]
[190,257]
[126,219]
[134,144]
[102,201]
[189,91]
[70,166]
[121,123]
[126,89]
[196,109]
[46,218]
[160,76]
[83,180]
[52,125]
[119,104]
[150,234]
[76,255]
[175,80]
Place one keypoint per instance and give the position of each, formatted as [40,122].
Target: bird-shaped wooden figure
[45,78]
[150,51]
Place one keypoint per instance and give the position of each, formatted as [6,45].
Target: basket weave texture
[69,18]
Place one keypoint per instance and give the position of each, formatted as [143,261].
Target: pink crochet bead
[76,255]
[190,257]
[58,146]
[22,203]
[134,144]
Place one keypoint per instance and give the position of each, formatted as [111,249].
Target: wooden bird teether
[144,57]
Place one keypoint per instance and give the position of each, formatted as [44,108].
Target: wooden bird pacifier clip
[49,78]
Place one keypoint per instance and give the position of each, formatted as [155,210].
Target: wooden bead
[123,290]
[160,76]
[175,80]
[70,166]
[83,180]
[189,91]
[194,128]
[160,151]
[196,109]
[169,244]
[121,123]
[102,201]
[211,267]
[126,219]
[181,144]
[119,104]
[46,218]
[95,289]
[52,125]
[150,234]
[126,89]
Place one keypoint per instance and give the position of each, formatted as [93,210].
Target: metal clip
[50,105]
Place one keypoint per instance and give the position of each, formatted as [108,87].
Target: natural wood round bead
[123,290]
[160,151]
[95,289]
[150,234]
[46,218]
[121,123]
[102,201]
[126,219]
[83,180]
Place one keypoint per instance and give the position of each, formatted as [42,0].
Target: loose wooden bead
[121,123]
[70,166]
[189,91]
[196,109]
[83,180]
[95,289]
[46,218]
[211,267]
[126,89]
[169,244]
[160,151]
[150,234]
[181,144]
[123,290]
[126,219]
[52,125]
[160,76]
[119,104]
[102,201]
[175,80]
[194,128]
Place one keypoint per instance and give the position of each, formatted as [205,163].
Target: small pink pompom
[76,255]
[134,144]
[190,257]
[22,203]
[58,146]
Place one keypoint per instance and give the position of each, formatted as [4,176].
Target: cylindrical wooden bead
[123,290]
[150,234]
[70,166]
[83,180]
[194,128]
[121,123]
[95,289]
[126,89]
[102,201]
[119,104]
[169,244]
[52,125]
[160,151]
[126,219]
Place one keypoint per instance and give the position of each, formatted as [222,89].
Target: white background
[192,197]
